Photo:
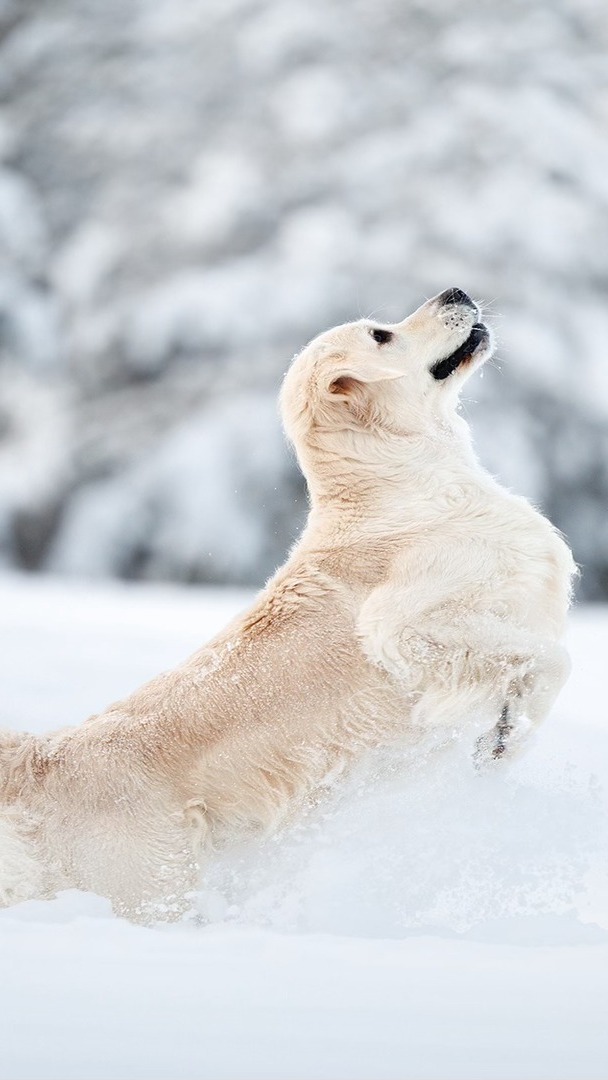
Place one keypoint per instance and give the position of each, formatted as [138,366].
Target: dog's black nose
[456,296]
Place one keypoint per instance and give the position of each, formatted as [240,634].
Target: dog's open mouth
[478,337]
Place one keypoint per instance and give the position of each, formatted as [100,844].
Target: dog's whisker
[374,313]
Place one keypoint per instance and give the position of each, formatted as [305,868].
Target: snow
[425,922]
[233,457]
[34,460]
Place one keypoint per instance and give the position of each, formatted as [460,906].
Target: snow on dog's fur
[421,598]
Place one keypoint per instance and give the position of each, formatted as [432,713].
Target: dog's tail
[22,760]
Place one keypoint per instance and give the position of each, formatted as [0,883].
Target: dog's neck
[406,484]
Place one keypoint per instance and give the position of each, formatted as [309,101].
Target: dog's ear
[351,385]
[345,380]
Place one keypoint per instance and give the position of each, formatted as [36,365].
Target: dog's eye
[381,336]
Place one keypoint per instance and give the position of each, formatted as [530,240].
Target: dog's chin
[476,348]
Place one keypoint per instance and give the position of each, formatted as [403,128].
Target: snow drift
[424,921]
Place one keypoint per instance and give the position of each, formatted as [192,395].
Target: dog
[421,599]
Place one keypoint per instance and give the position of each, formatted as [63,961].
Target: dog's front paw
[488,751]
[503,741]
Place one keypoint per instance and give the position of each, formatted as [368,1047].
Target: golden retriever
[422,598]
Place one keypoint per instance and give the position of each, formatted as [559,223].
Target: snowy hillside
[425,923]
[190,189]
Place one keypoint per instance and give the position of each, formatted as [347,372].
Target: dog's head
[397,379]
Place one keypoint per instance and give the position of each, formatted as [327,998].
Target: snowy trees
[190,190]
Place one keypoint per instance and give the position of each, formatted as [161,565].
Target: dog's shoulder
[300,589]
[361,564]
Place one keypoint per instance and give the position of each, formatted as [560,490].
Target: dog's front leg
[529,700]
[461,664]
[501,740]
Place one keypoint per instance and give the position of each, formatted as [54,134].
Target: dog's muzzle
[457,312]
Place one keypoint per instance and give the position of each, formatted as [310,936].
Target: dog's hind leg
[148,878]
[22,876]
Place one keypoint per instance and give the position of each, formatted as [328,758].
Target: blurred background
[191,189]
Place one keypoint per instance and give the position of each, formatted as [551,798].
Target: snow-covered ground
[425,923]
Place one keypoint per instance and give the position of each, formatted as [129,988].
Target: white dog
[422,597]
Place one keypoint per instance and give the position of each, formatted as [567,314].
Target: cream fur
[422,598]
